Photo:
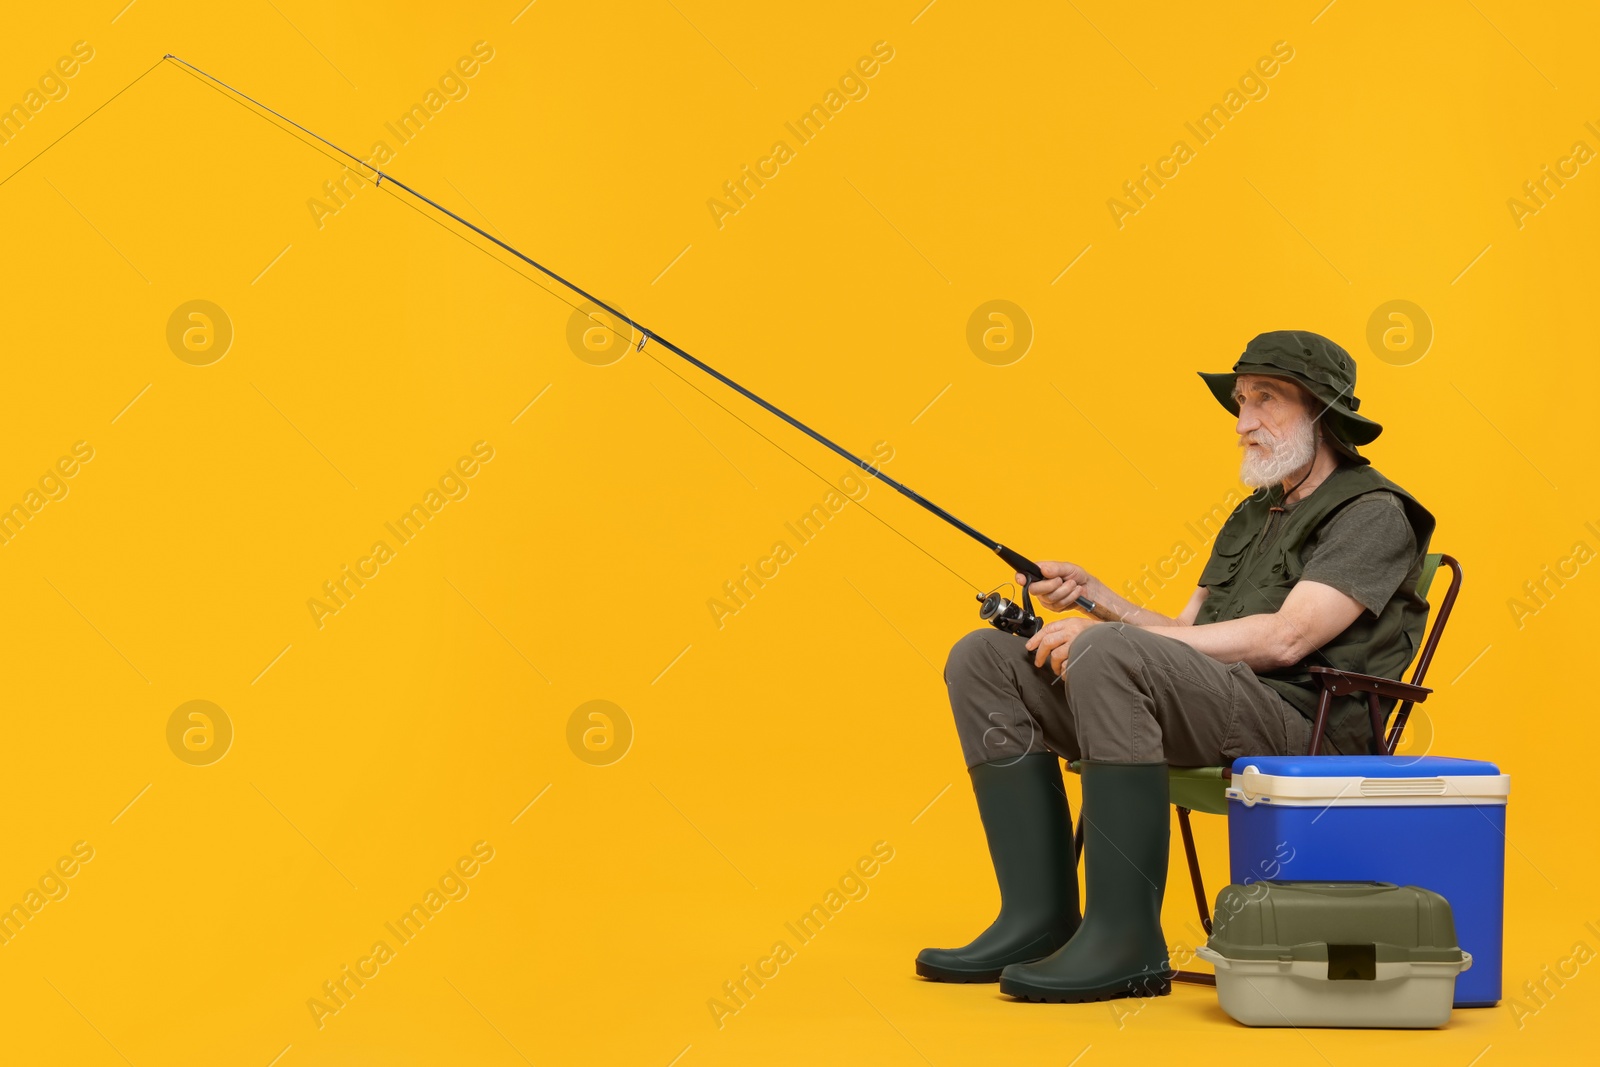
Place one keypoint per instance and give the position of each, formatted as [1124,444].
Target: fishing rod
[994,608]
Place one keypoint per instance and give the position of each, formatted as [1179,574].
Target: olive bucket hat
[1321,367]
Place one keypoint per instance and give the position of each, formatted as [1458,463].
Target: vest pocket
[1224,563]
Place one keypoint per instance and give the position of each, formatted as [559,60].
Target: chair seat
[1196,788]
[1199,789]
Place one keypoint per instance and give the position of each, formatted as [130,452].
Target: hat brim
[1221,386]
[1355,429]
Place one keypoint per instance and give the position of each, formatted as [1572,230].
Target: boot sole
[1137,987]
[941,974]
[938,974]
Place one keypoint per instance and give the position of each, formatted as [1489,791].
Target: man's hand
[1055,641]
[1062,585]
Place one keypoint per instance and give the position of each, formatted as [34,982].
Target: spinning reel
[1006,615]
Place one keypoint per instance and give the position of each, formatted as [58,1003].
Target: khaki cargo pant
[1128,696]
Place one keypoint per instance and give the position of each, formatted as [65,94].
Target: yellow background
[771,753]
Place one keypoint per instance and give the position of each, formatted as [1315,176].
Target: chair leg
[1195,977]
[1194,869]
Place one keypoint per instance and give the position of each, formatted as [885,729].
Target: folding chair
[1204,788]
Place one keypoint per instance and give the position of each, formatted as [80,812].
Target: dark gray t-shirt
[1364,550]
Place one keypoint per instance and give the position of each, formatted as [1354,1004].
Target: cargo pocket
[1258,723]
[1231,733]
[1299,729]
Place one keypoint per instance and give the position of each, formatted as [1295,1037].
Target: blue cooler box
[1428,821]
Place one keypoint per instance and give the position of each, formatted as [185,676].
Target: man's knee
[1109,645]
[977,652]
[1104,661]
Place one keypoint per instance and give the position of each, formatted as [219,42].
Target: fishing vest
[1245,578]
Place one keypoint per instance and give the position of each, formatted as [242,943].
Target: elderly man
[1319,565]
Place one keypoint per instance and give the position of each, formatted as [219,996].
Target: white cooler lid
[1252,785]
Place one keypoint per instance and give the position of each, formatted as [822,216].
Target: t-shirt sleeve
[1365,550]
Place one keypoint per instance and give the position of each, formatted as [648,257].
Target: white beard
[1276,460]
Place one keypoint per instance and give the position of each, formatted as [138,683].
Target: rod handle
[1023,565]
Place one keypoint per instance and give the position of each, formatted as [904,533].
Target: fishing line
[995,609]
[85,118]
[630,341]
[674,371]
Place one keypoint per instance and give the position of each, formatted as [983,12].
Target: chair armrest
[1338,682]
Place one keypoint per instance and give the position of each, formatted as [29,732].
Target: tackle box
[1429,821]
[1373,954]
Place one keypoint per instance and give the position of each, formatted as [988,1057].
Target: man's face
[1275,428]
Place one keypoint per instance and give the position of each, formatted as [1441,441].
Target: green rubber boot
[1023,804]
[1119,950]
